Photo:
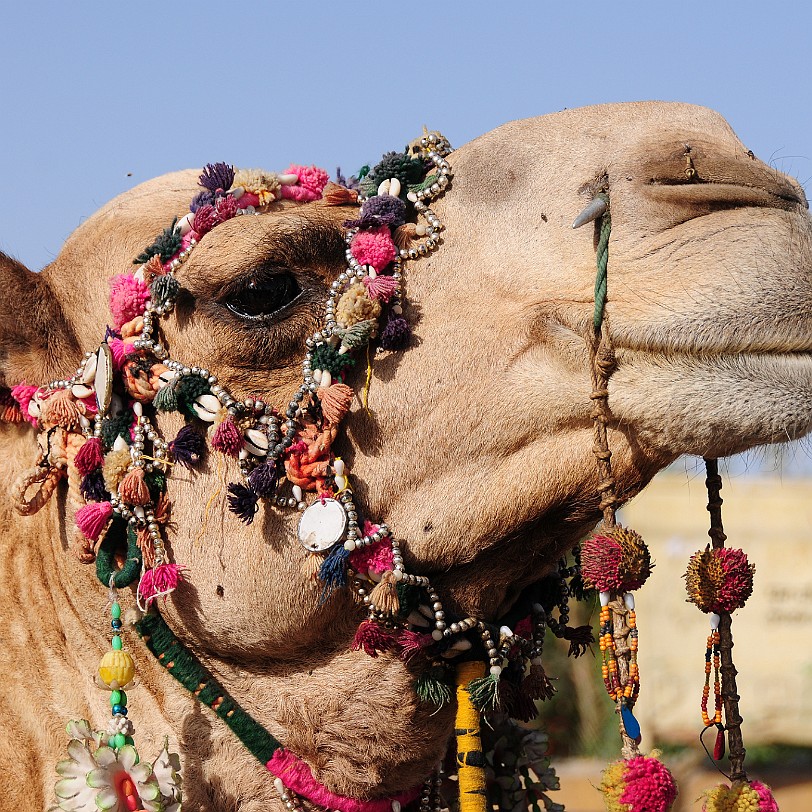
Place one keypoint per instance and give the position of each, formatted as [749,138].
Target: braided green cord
[105,563]
[189,672]
[602,256]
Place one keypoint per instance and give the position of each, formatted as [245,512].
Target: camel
[476,446]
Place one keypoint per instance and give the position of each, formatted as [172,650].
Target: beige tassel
[115,466]
[385,594]
[335,401]
[404,235]
[310,568]
[336,195]
[61,409]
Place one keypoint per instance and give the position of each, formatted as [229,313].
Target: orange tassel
[61,409]
[335,401]
[145,544]
[404,235]
[133,489]
[335,195]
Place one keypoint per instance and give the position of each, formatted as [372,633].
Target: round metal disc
[322,525]
[104,377]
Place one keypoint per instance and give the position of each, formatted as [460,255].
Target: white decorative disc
[104,377]
[322,525]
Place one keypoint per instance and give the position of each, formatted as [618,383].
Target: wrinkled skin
[477,448]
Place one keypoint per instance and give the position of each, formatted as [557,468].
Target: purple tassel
[92,487]
[109,332]
[333,572]
[188,448]
[242,502]
[397,334]
[381,210]
[263,479]
[217,177]
[201,199]
[348,183]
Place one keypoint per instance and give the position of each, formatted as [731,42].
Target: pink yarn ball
[650,787]
[128,297]
[374,247]
[312,181]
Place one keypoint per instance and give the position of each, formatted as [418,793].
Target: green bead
[117,642]
[128,740]
[121,740]
[115,698]
[115,610]
[123,698]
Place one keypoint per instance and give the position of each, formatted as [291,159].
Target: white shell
[79,390]
[120,444]
[322,525]
[206,407]
[184,225]
[326,378]
[167,376]
[34,409]
[416,619]
[103,380]
[394,187]
[288,180]
[383,189]
[412,197]
[256,442]
[237,193]
[89,371]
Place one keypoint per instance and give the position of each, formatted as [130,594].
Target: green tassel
[485,692]
[326,357]
[431,686]
[156,482]
[357,335]
[409,598]
[166,399]
[163,289]
[165,246]
[113,427]
[187,389]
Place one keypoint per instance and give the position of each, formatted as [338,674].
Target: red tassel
[227,439]
[373,639]
[719,746]
[90,456]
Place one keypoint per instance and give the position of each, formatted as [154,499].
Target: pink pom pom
[372,558]
[374,247]
[23,393]
[90,456]
[227,439]
[226,208]
[312,181]
[766,801]
[650,787]
[128,297]
[205,219]
[380,287]
[159,581]
[248,199]
[119,350]
[92,519]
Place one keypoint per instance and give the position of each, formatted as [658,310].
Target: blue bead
[116,624]
[630,723]
[120,709]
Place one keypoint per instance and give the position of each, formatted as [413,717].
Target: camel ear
[36,340]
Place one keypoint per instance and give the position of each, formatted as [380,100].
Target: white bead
[411,197]
[138,510]
[338,466]
[628,599]
[341,482]
[297,493]
[349,545]
[605,596]
[120,444]
[505,631]
[138,409]
[496,670]
[278,785]
[326,379]
[438,635]
[714,621]
[395,806]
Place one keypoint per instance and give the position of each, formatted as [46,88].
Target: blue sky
[98,97]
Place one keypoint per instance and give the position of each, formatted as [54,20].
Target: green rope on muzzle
[189,672]
[602,256]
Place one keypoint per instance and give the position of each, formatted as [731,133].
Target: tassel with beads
[484,692]
[385,594]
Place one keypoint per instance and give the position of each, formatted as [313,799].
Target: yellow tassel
[470,760]
[365,394]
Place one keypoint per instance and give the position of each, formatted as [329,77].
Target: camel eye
[260,299]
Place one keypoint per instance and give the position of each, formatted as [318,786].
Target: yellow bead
[118,667]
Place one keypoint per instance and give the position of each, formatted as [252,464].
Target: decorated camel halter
[615,561]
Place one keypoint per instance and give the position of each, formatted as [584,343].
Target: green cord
[602,257]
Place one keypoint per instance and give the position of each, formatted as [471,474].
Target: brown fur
[476,449]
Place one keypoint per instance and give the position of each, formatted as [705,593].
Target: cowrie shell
[184,225]
[89,372]
[79,390]
[256,442]
[103,379]
[288,180]
[206,407]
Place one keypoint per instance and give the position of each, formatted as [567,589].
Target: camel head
[475,445]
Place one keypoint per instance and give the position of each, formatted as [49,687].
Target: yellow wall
[772,521]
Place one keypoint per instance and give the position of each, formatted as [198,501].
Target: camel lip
[734,195]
